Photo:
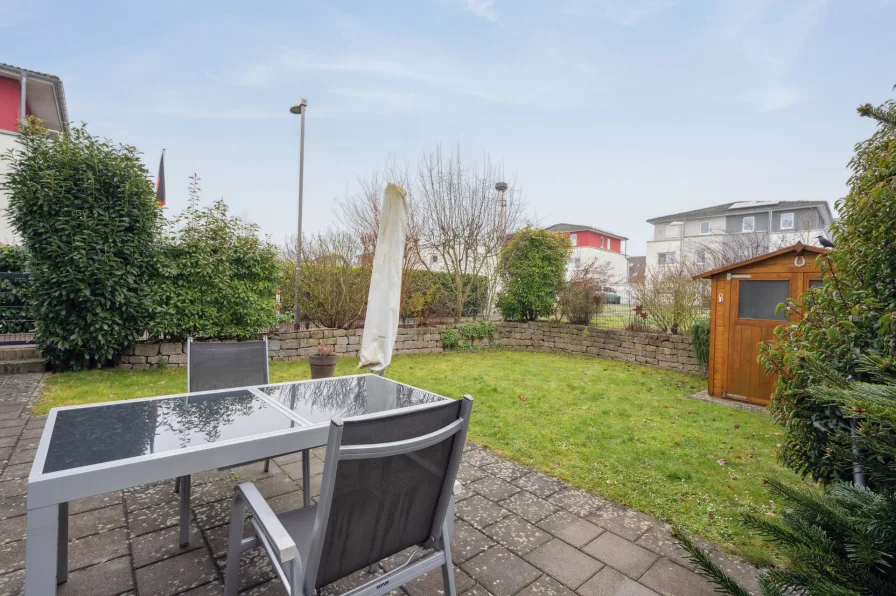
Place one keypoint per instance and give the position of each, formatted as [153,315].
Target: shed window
[704,227]
[749,224]
[816,283]
[758,299]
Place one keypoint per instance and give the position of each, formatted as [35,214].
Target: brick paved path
[517,531]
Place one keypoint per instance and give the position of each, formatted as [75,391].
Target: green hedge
[16,313]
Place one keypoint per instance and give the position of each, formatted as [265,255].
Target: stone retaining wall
[662,350]
[654,349]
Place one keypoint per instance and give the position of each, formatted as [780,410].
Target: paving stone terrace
[517,531]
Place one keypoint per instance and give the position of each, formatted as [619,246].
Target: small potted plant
[323,363]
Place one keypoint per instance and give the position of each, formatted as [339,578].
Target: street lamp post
[299,108]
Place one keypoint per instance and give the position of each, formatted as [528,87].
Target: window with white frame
[700,257]
[665,258]
[573,239]
[787,221]
[749,224]
[574,263]
[704,227]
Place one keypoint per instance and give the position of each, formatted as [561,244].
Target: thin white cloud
[484,9]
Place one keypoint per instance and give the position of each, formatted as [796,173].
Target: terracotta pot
[322,367]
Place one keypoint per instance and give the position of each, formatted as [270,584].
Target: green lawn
[624,431]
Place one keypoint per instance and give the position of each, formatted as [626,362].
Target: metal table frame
[46,547]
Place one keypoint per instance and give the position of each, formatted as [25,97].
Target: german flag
[160,182]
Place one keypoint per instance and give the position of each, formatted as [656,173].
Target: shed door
[753,320]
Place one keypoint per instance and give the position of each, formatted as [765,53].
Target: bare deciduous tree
[671,297]
[583,296]
[462,227]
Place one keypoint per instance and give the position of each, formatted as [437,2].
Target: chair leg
[234,546]
[448,567]
[184,511]
[177,485]
[267,465]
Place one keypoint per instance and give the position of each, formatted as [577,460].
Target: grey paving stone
[625,522]
[25,443]
[404,557]
[481,457]
[213,514]
[255,568]
[468,542]
[579,502]
[212,589]
[531,508]
[570,528]
[500,571]
[477,590]
[493,489]
[11,488]
[5,456]
[150,495]
[12,556]
[254,471]
[163,544]
[479,512]
[609,582]
[294,470]
[659,541]
[97,548]
[467,473]
[620,554]
[274,486]
[94,502]
[154,518]
[210,476]
[12,583]
[540,485]
[433,583]
[12,529]
[93,522]
[505,470]
[568,565]
[288,502]
[106,579]
[218,538]
[12,506]
[271,588]
[12,423]
[32,433]
[210,492]
[670,579]
[176,575]
[16,471]
[289,458]
[11,431]
[546,586]
[517,534]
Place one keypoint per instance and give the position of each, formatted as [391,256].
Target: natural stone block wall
[654,349]
[674,352]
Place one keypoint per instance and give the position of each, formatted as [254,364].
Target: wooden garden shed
[745,296]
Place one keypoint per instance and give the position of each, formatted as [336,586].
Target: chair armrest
[268,522]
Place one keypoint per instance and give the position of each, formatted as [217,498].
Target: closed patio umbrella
[384,299]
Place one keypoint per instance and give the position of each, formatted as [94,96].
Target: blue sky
[606,113]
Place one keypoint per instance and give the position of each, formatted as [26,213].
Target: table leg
[41,555]
[62,545]
[184,511]
[306,476]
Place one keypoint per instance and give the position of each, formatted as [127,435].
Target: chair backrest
[387,485]
[222,365]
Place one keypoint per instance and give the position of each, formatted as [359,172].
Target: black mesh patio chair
[223,365]
[388,485]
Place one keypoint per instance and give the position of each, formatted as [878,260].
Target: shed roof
[797,248]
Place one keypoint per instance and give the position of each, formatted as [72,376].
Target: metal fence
[626,316]
[16,318]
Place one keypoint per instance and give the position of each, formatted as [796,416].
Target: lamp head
[501,186]
[299,106]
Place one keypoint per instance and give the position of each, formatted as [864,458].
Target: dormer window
[787,221]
